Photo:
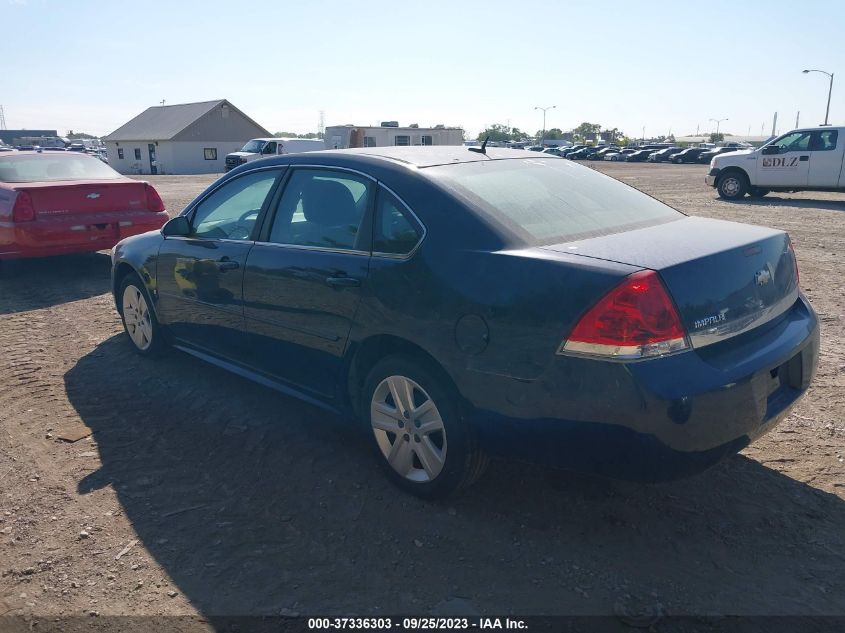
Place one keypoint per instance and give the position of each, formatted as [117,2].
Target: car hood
[739,152]
[241,154]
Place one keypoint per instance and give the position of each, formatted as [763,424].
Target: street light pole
[544,120]
[718,122]
[829,90]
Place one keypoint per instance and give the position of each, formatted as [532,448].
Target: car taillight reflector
[154,201]
[24,210]
[794,260]
[637,319]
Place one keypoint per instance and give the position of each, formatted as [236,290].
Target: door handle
[803,158]
[224,263]
[343,282]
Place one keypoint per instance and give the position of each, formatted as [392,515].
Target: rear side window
[546,201]
[396,232]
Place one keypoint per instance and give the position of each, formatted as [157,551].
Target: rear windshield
[54,166]
[547,201]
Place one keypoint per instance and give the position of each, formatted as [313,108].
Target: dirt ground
[201,493]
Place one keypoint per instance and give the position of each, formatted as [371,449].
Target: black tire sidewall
[743,186]
[157,344]
[459,440]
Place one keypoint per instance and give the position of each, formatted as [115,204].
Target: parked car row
[653,153]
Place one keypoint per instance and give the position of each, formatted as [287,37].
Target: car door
[303,278]
[200,277]
[790,166]
[825,159]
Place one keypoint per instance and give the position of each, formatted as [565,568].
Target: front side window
[402,140]
[794,142]
[270,148]
[321,208]
[231,211]
[210,153]
[395,231]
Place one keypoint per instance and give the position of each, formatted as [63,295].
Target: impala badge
[762,277]
[93,196]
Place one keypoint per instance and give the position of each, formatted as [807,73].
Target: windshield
[546,201]
[254,146]
[54,166]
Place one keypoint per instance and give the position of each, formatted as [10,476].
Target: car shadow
[256,504]
[801,203]
[41,282]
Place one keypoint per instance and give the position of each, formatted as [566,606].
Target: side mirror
[771,149]
[177,227]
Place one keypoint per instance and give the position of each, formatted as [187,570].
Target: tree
[715,138]
[497,132]
[81,135]
[586,130]
[518,135]
[555,134]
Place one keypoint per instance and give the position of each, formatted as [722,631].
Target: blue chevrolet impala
[462,304]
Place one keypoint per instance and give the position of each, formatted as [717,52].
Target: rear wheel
[732,186]
[139,320]
[420,436]
[756,192]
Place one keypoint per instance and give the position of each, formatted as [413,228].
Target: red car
[68,202]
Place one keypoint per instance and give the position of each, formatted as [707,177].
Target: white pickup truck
[809,159]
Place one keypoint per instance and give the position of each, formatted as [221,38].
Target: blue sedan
[462,303]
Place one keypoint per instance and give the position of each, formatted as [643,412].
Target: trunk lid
[725,278]
[60,199]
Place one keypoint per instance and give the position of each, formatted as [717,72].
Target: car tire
[139,319]
[423,443]
[756,192]
[732,185]
[677,161]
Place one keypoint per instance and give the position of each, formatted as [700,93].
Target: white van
[263,147]
[809,159]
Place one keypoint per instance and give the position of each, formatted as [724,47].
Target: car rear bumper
[656,419]
[75,234]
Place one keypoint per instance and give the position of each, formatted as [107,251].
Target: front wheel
[732,186]
[420,436]
[756,192]
[138,318]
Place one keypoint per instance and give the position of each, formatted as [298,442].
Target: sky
[92,65]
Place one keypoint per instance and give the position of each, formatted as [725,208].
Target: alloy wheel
[136,316]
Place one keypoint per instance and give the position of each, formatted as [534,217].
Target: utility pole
[2,119]
[718,122]
[321,129]
[797,118]
[774,123]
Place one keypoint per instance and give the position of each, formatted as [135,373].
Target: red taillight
[24,210]
[794,259]
[636,319]
[154,202]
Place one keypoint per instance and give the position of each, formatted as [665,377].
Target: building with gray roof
[188,138]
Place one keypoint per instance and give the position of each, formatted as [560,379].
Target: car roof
[430,156]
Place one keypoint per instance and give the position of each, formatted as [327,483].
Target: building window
[427,139]
[210,153]
[402,140]
[120,153]
[369,141]
[137,153]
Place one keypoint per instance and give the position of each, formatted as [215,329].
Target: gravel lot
[201,493]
